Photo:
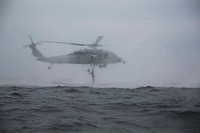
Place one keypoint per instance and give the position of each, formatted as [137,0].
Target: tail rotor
[32,43]
[31,39]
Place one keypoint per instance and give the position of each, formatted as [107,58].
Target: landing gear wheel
[49,67]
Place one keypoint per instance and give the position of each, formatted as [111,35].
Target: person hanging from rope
[92,63]
[91,72]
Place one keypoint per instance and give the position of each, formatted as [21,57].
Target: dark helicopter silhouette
[93,55]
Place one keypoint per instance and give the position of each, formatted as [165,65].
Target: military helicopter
[92,56]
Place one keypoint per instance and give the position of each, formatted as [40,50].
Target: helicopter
[92,56]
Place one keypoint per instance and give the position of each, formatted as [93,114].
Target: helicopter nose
[119,59]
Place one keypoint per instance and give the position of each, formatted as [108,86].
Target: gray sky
[159,39]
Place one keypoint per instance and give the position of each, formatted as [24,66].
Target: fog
[158,39]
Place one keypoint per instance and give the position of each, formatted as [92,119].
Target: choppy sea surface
[68,109]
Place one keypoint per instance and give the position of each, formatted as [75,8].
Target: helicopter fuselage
[97,57]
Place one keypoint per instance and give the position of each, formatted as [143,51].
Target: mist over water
[158,40]
[156,90]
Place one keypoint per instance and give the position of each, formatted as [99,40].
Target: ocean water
[68,109]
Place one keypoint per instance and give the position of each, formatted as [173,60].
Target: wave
[93,109]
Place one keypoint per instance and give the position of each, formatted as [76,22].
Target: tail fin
[35,51]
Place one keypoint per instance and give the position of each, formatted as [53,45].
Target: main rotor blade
[79,44]
[38,43]
[98,39]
